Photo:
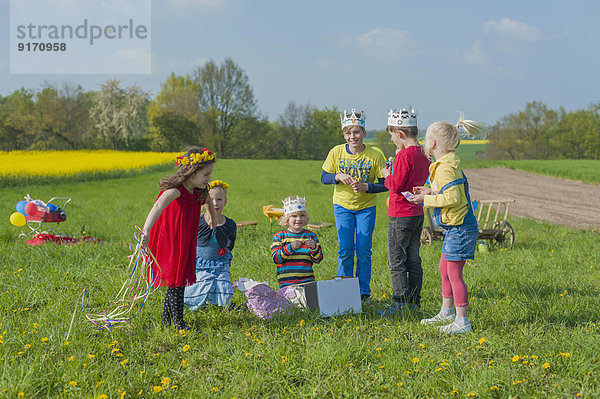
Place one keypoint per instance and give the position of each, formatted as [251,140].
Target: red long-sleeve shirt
[411,168]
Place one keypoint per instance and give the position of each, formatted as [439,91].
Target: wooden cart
[494,228]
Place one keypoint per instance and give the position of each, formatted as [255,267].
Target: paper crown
[402,118]
[355,118]
[294,204]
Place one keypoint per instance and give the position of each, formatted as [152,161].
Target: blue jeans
[359,225]
[404,240]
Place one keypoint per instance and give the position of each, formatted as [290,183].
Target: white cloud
[512,29]
[387,41]
[196,3]
[382,42]
[138,57]
[476,56]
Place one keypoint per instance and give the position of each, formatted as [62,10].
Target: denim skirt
[460,242]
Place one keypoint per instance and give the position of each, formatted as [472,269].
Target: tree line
[538,132]
[215,106]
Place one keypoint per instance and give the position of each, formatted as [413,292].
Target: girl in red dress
[171,228]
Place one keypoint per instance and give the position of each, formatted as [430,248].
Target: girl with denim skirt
[452,210]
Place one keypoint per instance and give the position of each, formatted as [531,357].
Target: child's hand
[145,239]
[416,199]
[296,244]
[344,178]
[359,186]
[422,190]
[310,244]
[386,171]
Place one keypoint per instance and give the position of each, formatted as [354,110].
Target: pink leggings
[453,285]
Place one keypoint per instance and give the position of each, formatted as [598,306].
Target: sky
[485,58]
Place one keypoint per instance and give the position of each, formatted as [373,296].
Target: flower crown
[206,156]
[218,183]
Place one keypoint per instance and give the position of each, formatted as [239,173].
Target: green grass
[538,302]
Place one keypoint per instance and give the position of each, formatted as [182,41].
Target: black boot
[178,307]
[167,313]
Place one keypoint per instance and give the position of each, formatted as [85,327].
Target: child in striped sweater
[295,249]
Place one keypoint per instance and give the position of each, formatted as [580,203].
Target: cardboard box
[331,297]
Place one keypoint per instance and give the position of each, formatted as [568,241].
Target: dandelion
[157,389]
[482,340]
[71,358]
[471,394]
[185,348]
[438,369]
[494,388]
[546,365]
[386,340]
[124,362]
[302,322]
[27,346]
[567,354]
[122,394]
[534,356]
[283,359]
[35,325]
[182,333]
[45,339]
[183,363]
[400,384]
[422,346]
[454,392]
[91,356]
[350,365]
[21,394]
[165,381]
[215,389]
[66,343]
[73,383]
[516,358]
[378,348]
[415,360]
[102,396]
[174,386]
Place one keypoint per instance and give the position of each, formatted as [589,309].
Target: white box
[331,297]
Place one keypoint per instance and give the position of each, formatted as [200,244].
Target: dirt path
[546,198]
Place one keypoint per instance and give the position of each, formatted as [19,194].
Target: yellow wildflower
[27,346]
[91,356]
[35,325]
[183,363]
[546,365]
[124,362]
[302,322]
[494,388]
[21,394]
[516,358]
[157,389]
[481,341]
[45,339]
[415,360]
[165,381]
[73,383]
[185,348]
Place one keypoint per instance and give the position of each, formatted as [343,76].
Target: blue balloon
[21,207]
[52,207]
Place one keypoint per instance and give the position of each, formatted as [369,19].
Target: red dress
[173,239]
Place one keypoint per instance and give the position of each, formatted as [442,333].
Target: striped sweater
[295,266]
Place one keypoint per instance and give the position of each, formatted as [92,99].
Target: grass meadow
[534,309]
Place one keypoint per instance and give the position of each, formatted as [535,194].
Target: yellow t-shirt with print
[365,167]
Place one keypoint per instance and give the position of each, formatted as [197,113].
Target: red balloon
[31,209]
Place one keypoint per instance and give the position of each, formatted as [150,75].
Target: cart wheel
[426,236]
[504,236]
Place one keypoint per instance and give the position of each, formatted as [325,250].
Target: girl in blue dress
[213,255]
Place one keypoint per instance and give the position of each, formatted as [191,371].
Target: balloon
[31,209]
[21,207]
[17,219]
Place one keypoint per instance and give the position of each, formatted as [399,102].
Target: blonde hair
[346,128]
[447,135]
[285,218]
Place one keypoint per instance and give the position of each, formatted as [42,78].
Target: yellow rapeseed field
[69,163]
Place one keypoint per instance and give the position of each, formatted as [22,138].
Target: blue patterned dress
[213,262]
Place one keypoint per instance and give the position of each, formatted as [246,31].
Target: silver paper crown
[402,118]
[355,118]
[294,204]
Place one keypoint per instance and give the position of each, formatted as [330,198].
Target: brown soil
[550,199]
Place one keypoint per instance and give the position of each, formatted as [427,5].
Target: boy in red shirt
[410,169]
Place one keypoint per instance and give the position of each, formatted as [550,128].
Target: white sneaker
[454,328]
[439,319]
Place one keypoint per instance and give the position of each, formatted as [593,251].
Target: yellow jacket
[453,201]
